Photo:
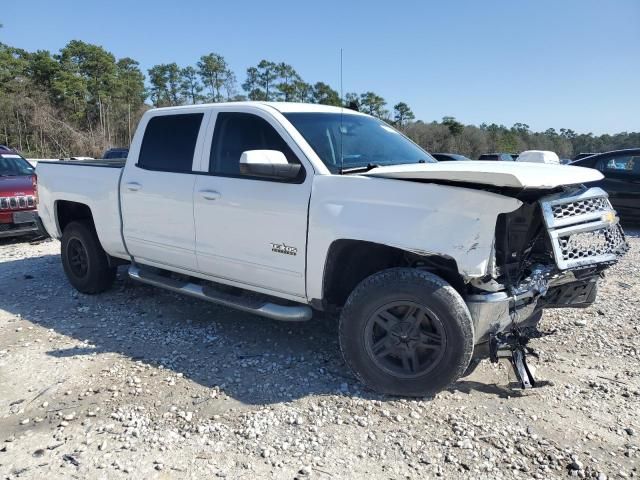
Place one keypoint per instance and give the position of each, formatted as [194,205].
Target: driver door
[249,230]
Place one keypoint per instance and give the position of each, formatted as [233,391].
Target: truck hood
[499,174]
[11,186]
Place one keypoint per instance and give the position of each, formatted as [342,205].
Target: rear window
[13,165]
[169,142]
[488,157]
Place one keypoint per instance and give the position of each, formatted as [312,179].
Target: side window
[169,142]
[238,132]
[625,165]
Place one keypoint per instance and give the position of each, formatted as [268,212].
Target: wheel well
[351,261]
[67,211]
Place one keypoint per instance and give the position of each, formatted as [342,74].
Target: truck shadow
[253,360]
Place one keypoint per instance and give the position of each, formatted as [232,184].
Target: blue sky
[561,63]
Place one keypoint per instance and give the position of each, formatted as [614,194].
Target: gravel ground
[141,383]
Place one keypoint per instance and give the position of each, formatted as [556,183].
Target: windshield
[361,141]
[12,165]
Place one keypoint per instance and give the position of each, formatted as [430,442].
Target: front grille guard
[583,228]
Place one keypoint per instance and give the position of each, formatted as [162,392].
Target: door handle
[133,186]
[209,194]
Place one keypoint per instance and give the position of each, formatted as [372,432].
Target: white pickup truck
[284,209]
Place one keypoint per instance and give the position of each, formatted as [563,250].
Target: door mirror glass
[268,164]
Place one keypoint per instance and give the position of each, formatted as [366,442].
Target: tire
[475,362]
[84,261]
[397,352]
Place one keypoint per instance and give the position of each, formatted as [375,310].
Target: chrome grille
[583,228]
[580,207]
[14,203]
[593,243]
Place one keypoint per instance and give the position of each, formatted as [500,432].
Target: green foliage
[215,74]
[190,86]
[402,114]
[325,95]
[259,84]
[373,104]
[83,100]
[288,82]
[80,100]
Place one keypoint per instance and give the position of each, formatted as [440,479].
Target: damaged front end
[549,253]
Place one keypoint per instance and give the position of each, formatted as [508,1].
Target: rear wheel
[84,260]
[406,332]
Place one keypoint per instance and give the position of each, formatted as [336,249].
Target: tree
[325,95]
[130,91]
[42,68]
[259,83]
[352,101]
[521,128]
[97,68]
[190,86]
[158,81]
[230,87]
[373,104]
[165,82]
[289,81]
[455,127]
[402,114]
[214,71]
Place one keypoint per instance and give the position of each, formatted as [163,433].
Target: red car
[18,195]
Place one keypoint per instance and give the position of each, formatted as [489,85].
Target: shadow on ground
[254,360]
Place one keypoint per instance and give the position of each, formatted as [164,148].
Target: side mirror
[268,164]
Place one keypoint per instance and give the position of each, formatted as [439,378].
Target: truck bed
[94,183]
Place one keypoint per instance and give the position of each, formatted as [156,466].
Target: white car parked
[539,156]
[302,208]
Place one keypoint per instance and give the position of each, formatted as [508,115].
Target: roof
[5,149]
[614,152]
[282,107]
[590,158]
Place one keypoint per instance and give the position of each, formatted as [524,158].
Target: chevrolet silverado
[284,209]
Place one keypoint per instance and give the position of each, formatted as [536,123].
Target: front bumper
[585,238]
[26,226]
[15,230]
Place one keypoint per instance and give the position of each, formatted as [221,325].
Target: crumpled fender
[423,218]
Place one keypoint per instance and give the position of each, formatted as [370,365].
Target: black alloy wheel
[405,339]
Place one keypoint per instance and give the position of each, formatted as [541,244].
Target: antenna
[341,114]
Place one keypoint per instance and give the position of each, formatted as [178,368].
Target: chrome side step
[255,305]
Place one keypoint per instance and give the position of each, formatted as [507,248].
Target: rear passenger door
[252,231]
[157,191]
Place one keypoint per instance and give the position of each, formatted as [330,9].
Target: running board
[255,305]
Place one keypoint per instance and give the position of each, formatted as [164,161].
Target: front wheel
[84,260]
[406,332]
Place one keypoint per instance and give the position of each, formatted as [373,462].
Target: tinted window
[626,165]
[238,132]
[488,156]
[169,142]
[115,154]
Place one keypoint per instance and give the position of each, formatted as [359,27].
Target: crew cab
[18,199]
[285,209]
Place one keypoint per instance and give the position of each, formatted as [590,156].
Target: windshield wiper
[361,168]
